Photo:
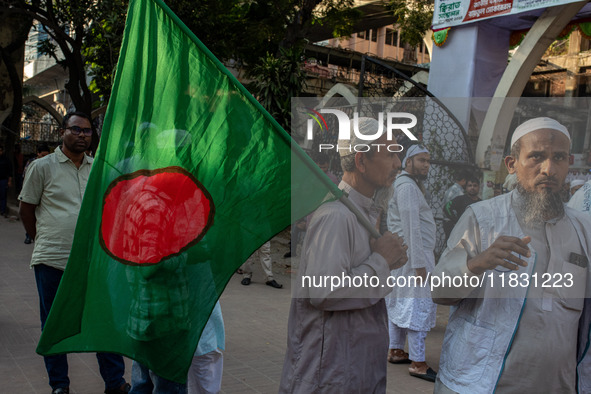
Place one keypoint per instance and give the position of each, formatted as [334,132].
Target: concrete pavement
[255,317]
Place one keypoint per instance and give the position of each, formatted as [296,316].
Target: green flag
[191,176]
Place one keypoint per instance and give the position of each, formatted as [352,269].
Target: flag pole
[335,191]
[360,217]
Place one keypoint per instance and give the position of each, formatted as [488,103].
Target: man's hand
[422,272]
[27,214]
[505,251]
[392,248]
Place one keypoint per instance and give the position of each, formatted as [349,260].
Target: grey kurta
[338,338]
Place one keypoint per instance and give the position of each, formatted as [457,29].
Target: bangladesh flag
[192,175]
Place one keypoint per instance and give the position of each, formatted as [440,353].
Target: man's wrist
[474,267]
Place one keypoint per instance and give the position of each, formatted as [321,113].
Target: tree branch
[39,15]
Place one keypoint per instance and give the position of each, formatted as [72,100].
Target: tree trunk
[14,30]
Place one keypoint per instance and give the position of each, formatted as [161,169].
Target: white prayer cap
[537,124]
[413,150]
[367,126]
[576,182]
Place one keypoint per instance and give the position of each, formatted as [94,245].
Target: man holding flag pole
[338,333]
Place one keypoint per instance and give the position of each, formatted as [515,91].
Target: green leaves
[414,18]
[275,80]
[262,36]
[102,45]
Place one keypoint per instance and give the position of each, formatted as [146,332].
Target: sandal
[430,375]
[398,356]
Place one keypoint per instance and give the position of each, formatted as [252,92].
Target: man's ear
[510,163]
[62,131]
[360,162]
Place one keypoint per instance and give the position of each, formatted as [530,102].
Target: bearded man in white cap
[338,332]
[411,312]
[519,322]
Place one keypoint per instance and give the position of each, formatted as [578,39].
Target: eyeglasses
[77,130]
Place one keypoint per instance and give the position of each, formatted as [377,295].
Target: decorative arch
[422,77]
[526,57]
[346,91]
[99,111]
[45,105]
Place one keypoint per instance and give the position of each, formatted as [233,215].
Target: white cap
[367,126]
[413,150]
[576,182]
[537,124]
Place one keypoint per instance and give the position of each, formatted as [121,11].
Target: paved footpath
[255,319]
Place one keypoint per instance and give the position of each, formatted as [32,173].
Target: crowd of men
[520,320]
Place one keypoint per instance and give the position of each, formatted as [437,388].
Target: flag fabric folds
[191,177]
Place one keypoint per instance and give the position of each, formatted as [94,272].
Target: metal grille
[440,131]
[40,131]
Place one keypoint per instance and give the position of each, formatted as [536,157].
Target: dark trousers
[3,195]
[145,381]
[111,366]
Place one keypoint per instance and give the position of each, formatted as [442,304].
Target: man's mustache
[547,179]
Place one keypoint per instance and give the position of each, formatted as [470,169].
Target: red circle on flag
[150,215]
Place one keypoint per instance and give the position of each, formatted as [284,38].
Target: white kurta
[542,353]
[410,216]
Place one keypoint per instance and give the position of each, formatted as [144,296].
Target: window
[364,34]
[391,37]
[374,35]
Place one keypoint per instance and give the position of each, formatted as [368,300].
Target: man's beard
[382,197]
[540,206]
[420,177]
[75,148]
